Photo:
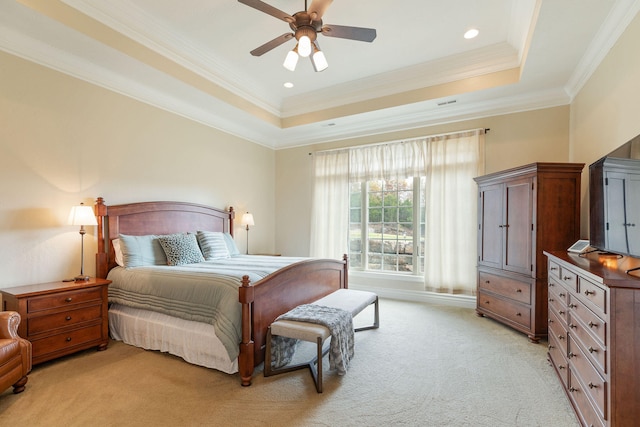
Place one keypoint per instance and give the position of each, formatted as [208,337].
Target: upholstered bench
[353,301]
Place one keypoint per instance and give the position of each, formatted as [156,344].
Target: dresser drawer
[596,326]
[504,308]
[65,340]
[592,294]
[591,347]
[558,331]
[584,408]
[39,324]
[558,358]
[569,279]
[553,270]
[63,299]
[590,380]
[510,288]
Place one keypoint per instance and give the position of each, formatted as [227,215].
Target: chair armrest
[9,322]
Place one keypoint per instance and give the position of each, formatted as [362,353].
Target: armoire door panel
[517,227]
[490,216]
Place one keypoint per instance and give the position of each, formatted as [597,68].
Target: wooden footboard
[263,301]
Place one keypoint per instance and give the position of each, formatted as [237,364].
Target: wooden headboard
[139,219]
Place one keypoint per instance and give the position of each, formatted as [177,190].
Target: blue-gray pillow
[181,248]
[138,251]
[231,244]
[213,245]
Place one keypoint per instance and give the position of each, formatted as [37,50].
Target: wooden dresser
[60,318]
[522,211]
[594,335]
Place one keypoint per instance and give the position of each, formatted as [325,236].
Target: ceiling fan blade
[353,33]
[317,9]
[271,44]
[268,9]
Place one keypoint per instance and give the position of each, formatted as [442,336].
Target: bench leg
[376,318]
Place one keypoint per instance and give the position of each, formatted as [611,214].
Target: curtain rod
[484,130]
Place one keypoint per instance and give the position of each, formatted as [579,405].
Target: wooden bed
[262,301]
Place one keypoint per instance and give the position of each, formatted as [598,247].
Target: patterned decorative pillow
[181,248]
[213,245]
[141,250]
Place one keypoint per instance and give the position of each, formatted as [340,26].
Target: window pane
[375,215]
[375,262]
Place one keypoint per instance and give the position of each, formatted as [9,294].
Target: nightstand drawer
[63,299]
[65,340]
[36,325]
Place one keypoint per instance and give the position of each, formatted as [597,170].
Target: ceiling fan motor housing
[305,26]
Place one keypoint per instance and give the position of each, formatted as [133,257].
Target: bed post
[245,359]
[345,258]
[101,256]
[232,215]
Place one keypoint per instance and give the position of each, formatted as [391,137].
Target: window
[386,226]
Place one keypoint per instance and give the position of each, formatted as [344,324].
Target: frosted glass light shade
[319,61]
[290,61]
[304,46]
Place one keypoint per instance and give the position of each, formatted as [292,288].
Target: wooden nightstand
[60,318]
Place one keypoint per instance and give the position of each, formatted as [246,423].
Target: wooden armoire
[521,212]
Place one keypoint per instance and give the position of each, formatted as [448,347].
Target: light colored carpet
[427,365]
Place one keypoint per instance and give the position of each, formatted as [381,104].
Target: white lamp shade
[82,215]
[247,219]
[304,46]
[290,61]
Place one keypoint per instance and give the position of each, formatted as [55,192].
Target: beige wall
[605,114]
[513,140]
[64,141]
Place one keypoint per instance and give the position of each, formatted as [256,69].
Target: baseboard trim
[465,301]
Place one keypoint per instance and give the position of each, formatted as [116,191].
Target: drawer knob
[519,290]
[69,299]
[561,312]
[592,350]
[518,314]
[68,339]
[562,294]
[571,325]
[562,367]
[554,268]
[550,321]
[570,355]
[566,277]
[593,325]
[551,346]
[67,318]
[592,385]
[572,306]
[551,300]
[572,389]
[560,337]
[588,292]
[487,281]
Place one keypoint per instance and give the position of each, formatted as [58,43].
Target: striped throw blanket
[338,321]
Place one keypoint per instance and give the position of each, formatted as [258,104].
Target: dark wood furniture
[60,318]
[522,211]
[262,301]
[594,335]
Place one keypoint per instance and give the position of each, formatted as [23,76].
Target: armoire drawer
[507,309]
[506,286]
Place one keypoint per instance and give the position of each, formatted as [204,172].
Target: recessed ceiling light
[473,32]
[288,85]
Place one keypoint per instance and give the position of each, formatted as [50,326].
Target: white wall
[64,141]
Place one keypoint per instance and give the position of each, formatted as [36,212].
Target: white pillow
[118,251]
[212,244]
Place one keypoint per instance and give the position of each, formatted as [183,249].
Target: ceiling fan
[306,25]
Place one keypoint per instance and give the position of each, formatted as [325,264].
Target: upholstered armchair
[15,353]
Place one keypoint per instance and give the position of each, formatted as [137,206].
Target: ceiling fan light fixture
[291,60]
[319,61]
[304,46]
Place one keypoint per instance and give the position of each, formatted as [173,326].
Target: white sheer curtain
[449,162]
[330,209]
